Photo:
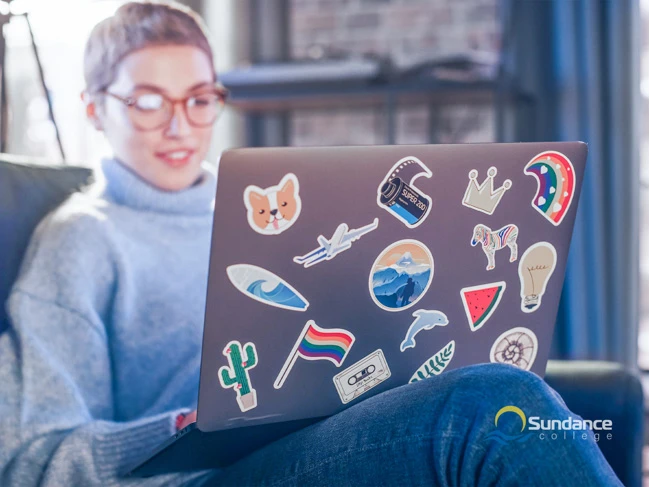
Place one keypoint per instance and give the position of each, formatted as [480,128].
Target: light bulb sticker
[555,176]
[516,347]
[398,195]
[535,269]
[491,241]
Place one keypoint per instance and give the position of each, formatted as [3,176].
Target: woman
[102,360]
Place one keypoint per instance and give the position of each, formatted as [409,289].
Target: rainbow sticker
[556,184]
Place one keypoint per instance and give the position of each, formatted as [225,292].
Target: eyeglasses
[151,110]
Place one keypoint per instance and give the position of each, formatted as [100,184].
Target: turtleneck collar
[126,188]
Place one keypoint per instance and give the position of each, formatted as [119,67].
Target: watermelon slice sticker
[481,301]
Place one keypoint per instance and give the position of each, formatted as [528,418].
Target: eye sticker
[261,285]
[516,347]
[398,195]
[481,301]
[436,364]
[364,375]
[483,197]
[235,376]
[273,210]
[555,176]
[340,241]
[534,270]
[491,241]
[401,275]
[424,320]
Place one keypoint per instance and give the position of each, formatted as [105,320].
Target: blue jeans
[434,432]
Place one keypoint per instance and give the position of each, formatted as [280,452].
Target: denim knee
[494,385]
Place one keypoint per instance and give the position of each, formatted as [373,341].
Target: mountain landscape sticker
[481,301]
[401,275]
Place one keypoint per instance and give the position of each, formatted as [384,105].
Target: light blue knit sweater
[107,320]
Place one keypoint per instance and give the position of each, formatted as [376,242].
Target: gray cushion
[28,192]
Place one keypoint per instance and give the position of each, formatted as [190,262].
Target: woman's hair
[136,25]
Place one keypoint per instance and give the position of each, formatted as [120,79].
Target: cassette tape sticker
[398,195]
[364,375]
[272,210]
[340,241]
[424,320]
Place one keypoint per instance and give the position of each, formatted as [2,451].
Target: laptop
[338,273]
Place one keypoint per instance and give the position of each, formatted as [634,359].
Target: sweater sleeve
[57,423]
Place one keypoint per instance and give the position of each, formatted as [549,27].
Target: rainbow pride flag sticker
[555,176]
[315,343]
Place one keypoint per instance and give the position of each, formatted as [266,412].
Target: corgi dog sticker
[274,209]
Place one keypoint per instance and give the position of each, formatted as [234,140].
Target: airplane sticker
[340,241]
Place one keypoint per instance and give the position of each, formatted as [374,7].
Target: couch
[592,389]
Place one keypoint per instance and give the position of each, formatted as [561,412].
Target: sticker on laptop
[555,176]
[481,301]
[362,376]
[401,275]
[274,209]
[483,197]
[264,286]
[492,241]
[424,320]
[436,364]
[398,195]
[340,241]
[315,343]
[236,376]
[517,347]
[534,270]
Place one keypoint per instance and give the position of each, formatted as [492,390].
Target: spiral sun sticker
[517,347]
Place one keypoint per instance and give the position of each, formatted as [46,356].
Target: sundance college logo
[510,417]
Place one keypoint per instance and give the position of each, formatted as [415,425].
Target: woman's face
[168,157]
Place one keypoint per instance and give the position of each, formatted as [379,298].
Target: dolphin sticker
[425,320]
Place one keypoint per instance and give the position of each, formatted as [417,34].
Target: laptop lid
[337,273]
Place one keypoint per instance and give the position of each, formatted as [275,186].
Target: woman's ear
[92,110]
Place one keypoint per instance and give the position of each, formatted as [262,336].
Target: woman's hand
[185,420]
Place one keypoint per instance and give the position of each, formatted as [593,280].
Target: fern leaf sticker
[436,364]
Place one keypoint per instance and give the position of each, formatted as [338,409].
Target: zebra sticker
[495,240]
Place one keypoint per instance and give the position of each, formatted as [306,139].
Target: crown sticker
[483,197]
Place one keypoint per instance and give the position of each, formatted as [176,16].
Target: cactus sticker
[236,375]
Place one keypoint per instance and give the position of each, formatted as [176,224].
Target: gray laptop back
[338,273]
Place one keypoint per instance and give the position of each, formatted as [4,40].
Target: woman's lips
[176,158]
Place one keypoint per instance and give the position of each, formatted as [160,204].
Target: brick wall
[404,30]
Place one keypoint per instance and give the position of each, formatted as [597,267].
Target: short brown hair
[136,25]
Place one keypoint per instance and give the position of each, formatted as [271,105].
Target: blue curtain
[579,59]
